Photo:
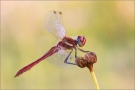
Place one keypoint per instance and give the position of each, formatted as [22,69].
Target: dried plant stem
[87,61]
[94,77]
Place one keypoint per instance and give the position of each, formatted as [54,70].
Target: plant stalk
[93,76]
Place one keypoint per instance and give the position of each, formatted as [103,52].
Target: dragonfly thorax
[67,43]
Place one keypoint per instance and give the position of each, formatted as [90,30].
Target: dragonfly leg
[75,52]
[66,60]
[82,50]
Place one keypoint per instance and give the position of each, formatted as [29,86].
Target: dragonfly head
[81,40]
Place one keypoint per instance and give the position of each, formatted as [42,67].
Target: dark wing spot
[60,13]
[54,12]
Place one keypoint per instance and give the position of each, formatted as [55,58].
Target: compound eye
[84,41]
[81,40]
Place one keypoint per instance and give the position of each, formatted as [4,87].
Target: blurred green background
[107,25]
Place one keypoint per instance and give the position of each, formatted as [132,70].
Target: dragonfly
[58,54]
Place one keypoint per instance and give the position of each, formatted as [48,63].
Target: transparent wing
[53,23]
[58,58]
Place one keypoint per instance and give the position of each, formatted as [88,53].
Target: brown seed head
[90,57]
[81,62]
[87,60]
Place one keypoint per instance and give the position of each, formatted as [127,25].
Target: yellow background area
[108,27]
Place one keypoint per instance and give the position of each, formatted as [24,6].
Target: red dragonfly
[58,54]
